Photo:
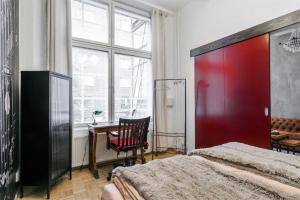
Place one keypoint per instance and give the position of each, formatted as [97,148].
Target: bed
[229,171]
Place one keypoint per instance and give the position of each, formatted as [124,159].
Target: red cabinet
[232,91]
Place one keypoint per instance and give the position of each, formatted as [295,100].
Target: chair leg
[126,162]
[109,176]
[288,150]
[294,151]
[115,165]
[134,154]
[142,156]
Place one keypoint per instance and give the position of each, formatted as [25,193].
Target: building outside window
[112,69]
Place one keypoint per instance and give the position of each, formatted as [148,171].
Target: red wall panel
[232,89]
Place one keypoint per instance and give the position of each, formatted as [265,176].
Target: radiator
[80,146]
[80,150]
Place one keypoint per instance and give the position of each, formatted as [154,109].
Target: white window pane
[90,20]
[90,84]
[132,30]
[132,86]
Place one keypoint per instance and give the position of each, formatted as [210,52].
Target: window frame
[113,49]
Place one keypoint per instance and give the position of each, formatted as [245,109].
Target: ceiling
[172,5]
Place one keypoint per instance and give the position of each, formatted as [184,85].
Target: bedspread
[195,177]
[283,167]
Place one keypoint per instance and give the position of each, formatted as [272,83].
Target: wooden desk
[94,131]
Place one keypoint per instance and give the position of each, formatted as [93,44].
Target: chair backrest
[133,132]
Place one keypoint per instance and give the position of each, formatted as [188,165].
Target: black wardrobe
[46,136]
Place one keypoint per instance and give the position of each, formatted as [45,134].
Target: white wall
[204,21]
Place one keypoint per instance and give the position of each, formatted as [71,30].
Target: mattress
[206,174]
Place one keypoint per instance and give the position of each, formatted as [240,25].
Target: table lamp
[96,113]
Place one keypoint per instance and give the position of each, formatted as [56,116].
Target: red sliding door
[232,93]
[209,93]
[247,91]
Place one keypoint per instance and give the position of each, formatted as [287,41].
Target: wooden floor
[83,185]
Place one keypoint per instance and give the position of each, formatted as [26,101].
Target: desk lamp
[133,112]
[96,113]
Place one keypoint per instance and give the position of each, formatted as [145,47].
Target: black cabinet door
[60,125]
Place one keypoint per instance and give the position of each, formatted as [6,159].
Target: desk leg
[92,154]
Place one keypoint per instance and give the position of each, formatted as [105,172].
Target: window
[90,84]
[90,20]
[132,86]
[111,72]
[132,30]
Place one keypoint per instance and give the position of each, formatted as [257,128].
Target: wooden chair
[131,136]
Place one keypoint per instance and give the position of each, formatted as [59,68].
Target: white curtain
[59,36]
[159,72]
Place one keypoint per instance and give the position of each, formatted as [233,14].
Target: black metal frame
[155,133]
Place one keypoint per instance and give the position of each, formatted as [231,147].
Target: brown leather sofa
[290,128]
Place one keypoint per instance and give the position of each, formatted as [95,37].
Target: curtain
[59,36]
[159,72]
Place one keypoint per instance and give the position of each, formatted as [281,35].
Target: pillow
[275,132]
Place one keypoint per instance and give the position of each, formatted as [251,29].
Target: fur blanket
[269,162]
[194,178]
